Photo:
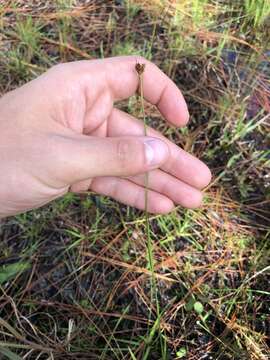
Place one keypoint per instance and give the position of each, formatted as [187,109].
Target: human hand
[61,132]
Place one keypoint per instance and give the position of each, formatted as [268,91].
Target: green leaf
[190,304]
[9,354]
[8,272]
[133,357]
[198,307]
[182,352]
[14,332]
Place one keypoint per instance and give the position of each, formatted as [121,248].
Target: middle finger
[180,164]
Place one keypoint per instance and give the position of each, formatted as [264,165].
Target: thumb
[87,157]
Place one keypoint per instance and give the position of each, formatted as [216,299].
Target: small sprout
[182,352]
[198,307]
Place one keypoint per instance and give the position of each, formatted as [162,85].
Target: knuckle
[130,156]
[164,187]
[124,152]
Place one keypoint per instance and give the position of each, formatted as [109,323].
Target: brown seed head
[140,68]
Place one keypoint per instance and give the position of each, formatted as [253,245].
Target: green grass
[76,276]
[257,11]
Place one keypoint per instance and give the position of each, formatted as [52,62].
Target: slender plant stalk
[140,70]
[146,179]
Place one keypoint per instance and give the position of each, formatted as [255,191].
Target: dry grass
[75,278]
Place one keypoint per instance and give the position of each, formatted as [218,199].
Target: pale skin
[61,132]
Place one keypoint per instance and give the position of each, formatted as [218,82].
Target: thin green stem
[146,182]
[148,231]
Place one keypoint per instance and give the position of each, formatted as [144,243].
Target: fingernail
[156,151]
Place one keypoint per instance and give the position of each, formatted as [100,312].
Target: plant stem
[140,71]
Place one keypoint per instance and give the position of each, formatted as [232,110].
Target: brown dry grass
[84,290]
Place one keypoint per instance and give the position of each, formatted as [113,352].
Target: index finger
[119,75]
[158,88]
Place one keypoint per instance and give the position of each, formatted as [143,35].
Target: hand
[61,131]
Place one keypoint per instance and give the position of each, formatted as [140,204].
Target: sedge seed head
[140,68]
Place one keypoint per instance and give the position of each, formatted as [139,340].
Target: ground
[76,280]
